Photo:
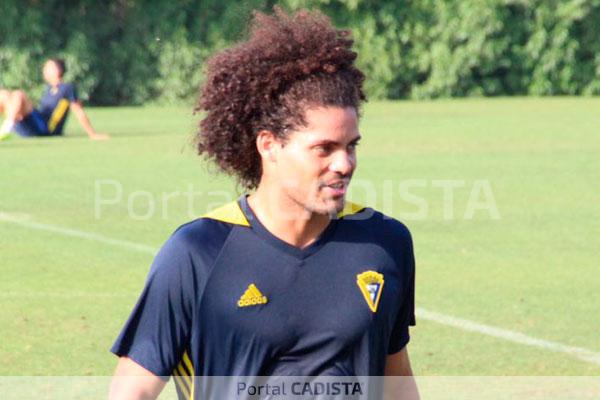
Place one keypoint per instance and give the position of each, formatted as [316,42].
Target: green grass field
[534,270]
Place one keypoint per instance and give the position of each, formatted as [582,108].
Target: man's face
[51,72]
[316,162]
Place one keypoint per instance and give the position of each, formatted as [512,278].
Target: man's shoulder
[361,216]
[211,228]
[67,89]
[66,85]
[194,246]
[378,226]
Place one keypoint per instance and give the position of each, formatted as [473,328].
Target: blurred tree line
[139,51]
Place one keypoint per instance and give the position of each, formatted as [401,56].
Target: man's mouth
[337,188]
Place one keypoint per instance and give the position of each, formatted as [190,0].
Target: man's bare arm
[83,119]
[131,381]
[400,384]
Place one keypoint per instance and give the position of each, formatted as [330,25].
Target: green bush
[139,51]
[19,70]
[179,70]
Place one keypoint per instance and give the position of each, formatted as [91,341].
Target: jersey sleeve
[406,313]
[157,331]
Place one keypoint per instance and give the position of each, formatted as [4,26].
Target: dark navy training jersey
[225,297]
[54,105]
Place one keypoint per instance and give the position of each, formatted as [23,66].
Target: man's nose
[343,163]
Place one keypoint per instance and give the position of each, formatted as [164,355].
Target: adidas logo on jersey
[252,297]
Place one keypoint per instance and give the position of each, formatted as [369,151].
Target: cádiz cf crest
[371,285]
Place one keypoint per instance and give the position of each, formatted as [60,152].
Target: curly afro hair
[288,63]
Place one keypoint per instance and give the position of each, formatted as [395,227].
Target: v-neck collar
[265,234]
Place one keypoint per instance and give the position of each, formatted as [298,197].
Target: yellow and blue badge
[371,286]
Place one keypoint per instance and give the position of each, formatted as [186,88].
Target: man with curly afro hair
[290,279]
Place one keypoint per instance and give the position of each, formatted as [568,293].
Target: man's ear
[267,145]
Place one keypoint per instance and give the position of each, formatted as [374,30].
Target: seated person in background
[49,118]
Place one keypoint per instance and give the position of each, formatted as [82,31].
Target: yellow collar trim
[230,213]
[350,208]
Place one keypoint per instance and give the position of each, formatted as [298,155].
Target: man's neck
[286,219]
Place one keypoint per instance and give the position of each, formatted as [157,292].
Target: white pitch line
[26,222]
[463,324]
[508,335]
[60,295]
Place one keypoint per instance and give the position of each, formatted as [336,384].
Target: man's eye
[323,149]
[353,146]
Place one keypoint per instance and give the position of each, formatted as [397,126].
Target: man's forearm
[400,388]
[133,382]
[399,380]
[86,124]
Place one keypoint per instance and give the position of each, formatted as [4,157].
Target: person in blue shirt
[290,280]
[49,118]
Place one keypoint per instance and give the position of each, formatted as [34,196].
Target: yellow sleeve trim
[350,208]
[58,114]
[230,213]
[184,376]
[181,385]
